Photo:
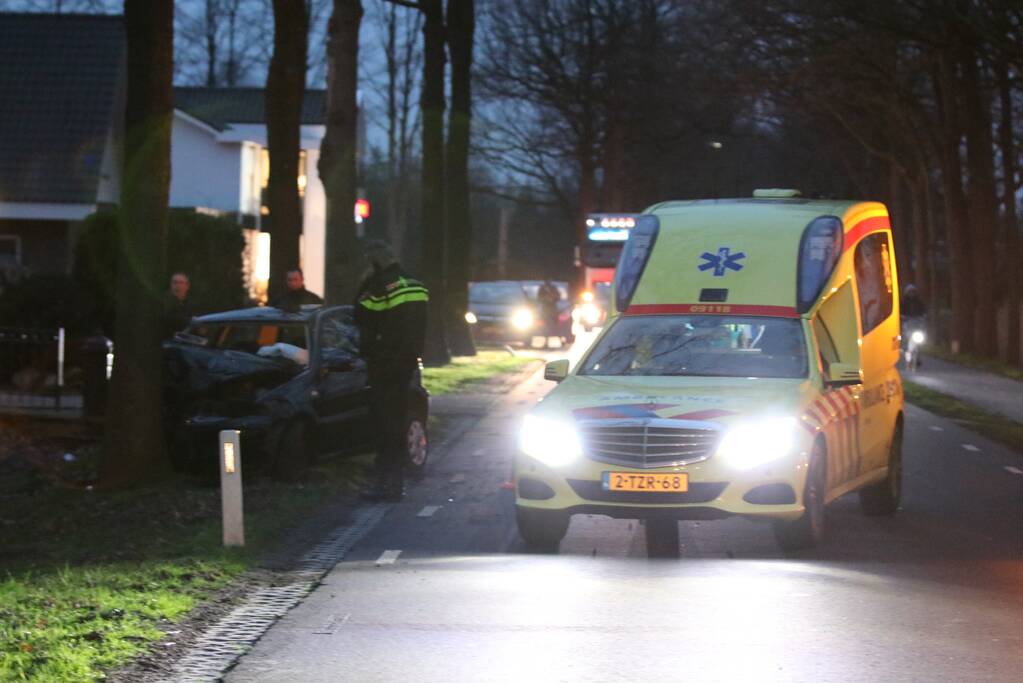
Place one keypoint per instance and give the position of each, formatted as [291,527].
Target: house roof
[60,78]
[221,107]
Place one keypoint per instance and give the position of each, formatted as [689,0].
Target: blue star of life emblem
[722,261]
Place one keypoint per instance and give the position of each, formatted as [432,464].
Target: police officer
[390,311]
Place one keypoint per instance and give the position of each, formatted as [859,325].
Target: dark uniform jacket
[293,300]
[176,314]
[390,311]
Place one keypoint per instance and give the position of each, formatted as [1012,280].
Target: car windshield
[700,345]
[496,293]
[250,336]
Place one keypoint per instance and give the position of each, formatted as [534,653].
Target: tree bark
[285,89]
[1014,258]
[436,351]
[957,222]
[461,24]
[133,440]
[338,164]
[983,203]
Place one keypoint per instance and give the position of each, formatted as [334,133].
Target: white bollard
[231,487]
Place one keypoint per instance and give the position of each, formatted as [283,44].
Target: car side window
[825,344]
[873,280]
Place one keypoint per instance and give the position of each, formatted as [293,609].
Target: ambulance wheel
[294,452]
[417,445]
[662,538]
[542,530]
[882,499]
[808,530]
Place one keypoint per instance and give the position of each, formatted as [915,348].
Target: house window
[264,167]
[10,250]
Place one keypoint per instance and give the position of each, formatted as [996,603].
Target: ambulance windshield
[700,345]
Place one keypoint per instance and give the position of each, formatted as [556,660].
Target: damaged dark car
[293,384]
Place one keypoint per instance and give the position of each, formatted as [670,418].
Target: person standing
[390,310]
[177,306]
[549,297]
[295,294]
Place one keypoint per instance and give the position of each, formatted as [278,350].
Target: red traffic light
[362,208]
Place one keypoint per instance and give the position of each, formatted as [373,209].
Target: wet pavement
[442,589]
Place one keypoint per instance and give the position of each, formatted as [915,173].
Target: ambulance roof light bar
[776,193]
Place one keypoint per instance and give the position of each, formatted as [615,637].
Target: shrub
[207,248]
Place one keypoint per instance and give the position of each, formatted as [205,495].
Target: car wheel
[882,499]
[542,530]
[662,538]
[293,452]
[417,446]
[808,530]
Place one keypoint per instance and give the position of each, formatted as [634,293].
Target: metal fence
[32,370]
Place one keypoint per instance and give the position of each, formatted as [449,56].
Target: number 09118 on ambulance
[748,369]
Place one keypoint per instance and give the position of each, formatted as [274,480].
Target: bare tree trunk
[391,55]
[285,89]
[133,441]
[1014,258]
[983,202]
[434,233]
[211,43]
[337,151]
[901,223]
[922,240]
[461,22]
[955,211]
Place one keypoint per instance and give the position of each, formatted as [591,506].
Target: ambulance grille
[648,443]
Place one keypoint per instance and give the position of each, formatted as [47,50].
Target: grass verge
[90,579]
[991,425]
[991,365]
[465,371]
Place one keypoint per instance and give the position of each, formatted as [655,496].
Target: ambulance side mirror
[842,375]
[556,370]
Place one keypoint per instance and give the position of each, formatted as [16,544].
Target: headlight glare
[917,337]
[470,317]
[552,442]
[746,446]
[522,319]
[591,314]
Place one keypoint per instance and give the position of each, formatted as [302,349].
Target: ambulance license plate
[654,483]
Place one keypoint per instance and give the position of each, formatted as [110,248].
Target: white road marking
[971,447]
[1014,470]
[388,557]
[479,451]
[457,479]
[936,428]
[428,511]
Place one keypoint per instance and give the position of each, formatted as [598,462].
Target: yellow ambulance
[748,369]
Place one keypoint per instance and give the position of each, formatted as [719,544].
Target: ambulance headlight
[746,446]
[552,442]
[522,319]
[917,337]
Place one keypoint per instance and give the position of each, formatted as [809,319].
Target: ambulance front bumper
[713,490]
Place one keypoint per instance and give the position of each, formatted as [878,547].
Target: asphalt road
[443,589]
